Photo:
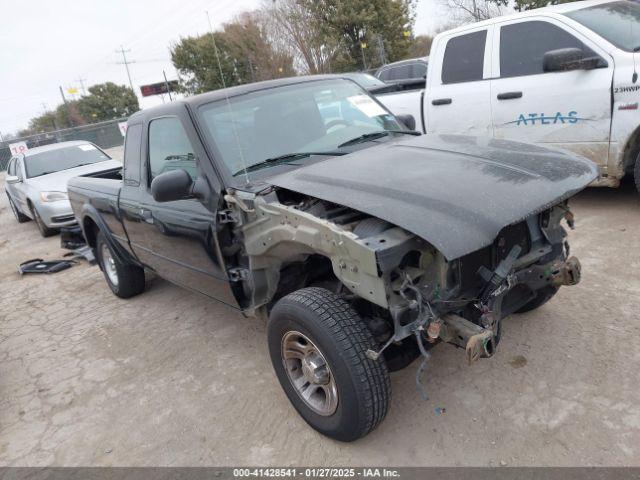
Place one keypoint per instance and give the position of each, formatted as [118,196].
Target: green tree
[244,52]
[107,101]
[364,33]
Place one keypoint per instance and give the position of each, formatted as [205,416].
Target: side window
[385,75]
[523,45]
[132,145]
[464,58]
[169,148]
[401,73]
[418,70]
[17,166]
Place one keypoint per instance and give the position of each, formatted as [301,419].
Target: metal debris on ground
[37,265]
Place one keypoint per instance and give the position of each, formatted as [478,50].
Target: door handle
[509,95]
[442,101]
[146,215]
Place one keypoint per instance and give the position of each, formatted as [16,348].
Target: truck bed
[99,190]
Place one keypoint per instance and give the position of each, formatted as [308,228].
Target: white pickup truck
[564,76]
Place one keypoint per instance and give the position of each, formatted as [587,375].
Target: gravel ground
[171,378]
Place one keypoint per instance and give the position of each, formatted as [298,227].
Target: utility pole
[126,65]
[81,82]
[381,51]
[166,84]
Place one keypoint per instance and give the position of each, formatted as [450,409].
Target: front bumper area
[56,214]
[481,340]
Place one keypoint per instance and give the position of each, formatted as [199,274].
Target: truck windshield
[616,22]
[38,164]
[316,116]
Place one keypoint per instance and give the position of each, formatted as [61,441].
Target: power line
[126,64]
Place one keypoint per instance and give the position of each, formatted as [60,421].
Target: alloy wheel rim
[109,264]
[309,373]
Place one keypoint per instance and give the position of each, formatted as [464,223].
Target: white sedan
[36,182]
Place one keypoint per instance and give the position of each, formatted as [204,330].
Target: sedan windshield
[616,22]
[311,118]
[52,161]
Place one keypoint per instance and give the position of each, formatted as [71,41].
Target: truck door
[458,88]
[567,109]
[176,239]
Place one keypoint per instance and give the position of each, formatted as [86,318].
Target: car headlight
[53,196]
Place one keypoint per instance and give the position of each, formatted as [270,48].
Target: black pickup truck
[363,242]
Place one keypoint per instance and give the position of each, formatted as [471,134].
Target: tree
[363,33]
[291,27]
[467,11]
[107,101]
[421,46]
[244,55]
[521,5]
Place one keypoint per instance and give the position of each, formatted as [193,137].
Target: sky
[45,44]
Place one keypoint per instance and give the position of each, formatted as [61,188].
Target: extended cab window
[464,58]
[132,153]
[523,45]
[169,148]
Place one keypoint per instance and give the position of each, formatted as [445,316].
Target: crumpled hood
[456,192]
[57,182]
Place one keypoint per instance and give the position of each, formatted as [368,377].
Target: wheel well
[90,229]
[631,150]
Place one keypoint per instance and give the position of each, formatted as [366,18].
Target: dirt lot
[171,378]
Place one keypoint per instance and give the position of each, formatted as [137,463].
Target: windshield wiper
[282,159]
[373,135]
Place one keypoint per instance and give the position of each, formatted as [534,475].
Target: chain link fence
[104,134]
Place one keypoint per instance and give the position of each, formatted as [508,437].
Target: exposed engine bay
[409,294]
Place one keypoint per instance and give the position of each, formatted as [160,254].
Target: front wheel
[42,227]
[542,296]
[317,344]
[124,280]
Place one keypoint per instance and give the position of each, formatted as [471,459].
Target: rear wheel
[20,217]
[124,280]
[317,344]
[42,227]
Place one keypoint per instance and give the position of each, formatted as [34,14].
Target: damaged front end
[405,289]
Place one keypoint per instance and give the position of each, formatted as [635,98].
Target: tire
[636,173]
[20,217]
[314,321]
[542,296]
[42,227]
[124,280]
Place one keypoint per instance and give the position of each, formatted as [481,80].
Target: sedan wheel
[44,230]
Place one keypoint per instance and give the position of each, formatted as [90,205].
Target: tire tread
[354,339]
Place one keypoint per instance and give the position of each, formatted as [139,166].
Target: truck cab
[563,77]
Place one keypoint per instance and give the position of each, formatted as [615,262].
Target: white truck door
[566,109]
[457,98]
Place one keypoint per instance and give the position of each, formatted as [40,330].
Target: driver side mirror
[11,179]
[408,121]
[567,59]
[172,185]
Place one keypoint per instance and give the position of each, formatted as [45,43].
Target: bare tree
[468,11]
[289,28]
